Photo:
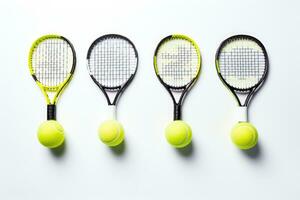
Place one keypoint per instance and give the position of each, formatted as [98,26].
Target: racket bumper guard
[51,112]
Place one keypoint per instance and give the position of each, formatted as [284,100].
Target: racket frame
[118,90]
[51,104]
[183,89]
[237,92]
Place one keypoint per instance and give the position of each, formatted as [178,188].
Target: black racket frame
[119,89]
[251,91]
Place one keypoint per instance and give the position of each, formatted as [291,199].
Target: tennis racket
[112,62]
[51,63]
[177,63]
[242,65]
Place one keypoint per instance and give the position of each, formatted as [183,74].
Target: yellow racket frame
[184,88]
[58,88]
[184,37]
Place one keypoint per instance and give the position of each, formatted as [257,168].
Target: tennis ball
[51,134]
[111,133]
[178,134]
[244,135]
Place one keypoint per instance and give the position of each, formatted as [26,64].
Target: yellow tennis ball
[178,134]
[111,133]
[244,135]
[51,134]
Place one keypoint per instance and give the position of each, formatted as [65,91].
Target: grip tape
[177,111]
[51,112]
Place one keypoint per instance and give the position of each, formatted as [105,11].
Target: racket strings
[242,67]
[177,62]
[52,60]
[112,62]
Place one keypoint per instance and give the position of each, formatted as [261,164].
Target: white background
[146,167]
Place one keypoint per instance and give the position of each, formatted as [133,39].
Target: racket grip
[242,113]
[51,112]
[112,112]
[177,112]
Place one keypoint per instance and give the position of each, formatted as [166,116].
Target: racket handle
[177,112]
[242,113]
[51,112]
[112,114]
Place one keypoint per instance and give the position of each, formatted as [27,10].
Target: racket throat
[112,97]
[177,111]
[177,100]
[51,112]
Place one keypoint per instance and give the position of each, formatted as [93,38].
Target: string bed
[52,61]
[242,64]
[177,62]
[112,61]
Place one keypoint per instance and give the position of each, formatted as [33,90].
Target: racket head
[242,63]
[52,62]
[112,62]
[177,62]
